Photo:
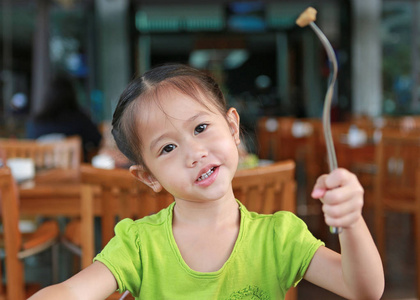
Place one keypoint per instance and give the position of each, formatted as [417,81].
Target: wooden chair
[121,196]
[266,190]
[357,156]
[397,160]
[315,158]
[65,153]
[417,229]
[409,123]
[267,131]
[281,138]
[405,124]
[17,247]
[299,139]
[116,194]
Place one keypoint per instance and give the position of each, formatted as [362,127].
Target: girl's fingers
[343,194]
[343,222]
[343,213]
[344,208]
[342,197]
[319,188]
[336,179]
[340,177]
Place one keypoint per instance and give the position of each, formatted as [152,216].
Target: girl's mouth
[207,174]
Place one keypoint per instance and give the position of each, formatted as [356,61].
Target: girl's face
[190,151]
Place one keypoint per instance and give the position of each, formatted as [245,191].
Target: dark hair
[60,96]
[185,79]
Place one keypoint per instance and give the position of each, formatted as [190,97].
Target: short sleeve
[122,256]
[296,244]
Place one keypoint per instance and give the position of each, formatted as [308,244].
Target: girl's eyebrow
[196,116]
[155,141]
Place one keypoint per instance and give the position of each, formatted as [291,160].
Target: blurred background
[265,63]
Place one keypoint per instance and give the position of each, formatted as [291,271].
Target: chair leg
[14,278]
[380,232]
[2,296]
[417,245]
[291,294]
[55,263]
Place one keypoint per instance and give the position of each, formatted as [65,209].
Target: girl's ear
[233,120]
[144,176]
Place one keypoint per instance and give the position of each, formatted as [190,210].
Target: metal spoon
[308,18]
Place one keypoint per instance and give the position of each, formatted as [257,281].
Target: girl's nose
[195,152]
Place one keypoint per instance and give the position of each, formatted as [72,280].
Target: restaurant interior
[57,190]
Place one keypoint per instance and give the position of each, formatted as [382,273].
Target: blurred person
[61,114]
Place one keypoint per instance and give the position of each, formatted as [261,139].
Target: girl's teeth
[206,175]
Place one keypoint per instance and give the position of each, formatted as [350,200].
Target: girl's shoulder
[284,223]
[278,216]
[153,220]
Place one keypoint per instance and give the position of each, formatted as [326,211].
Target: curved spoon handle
[307,18]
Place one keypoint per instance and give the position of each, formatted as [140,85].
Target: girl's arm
[358,272]
[94,282]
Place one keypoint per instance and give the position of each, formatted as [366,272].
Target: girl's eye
[168,148]
[200,128]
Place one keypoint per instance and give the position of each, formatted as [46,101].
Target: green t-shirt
[271,254]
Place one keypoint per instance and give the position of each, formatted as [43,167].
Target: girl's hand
[342,198]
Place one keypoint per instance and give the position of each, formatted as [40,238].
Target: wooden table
[54,192]
[57,192]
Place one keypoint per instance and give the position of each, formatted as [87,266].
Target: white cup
[22,168]
[103,161]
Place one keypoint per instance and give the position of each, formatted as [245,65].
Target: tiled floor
[400,271]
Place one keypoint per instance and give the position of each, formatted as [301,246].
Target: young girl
[173,124]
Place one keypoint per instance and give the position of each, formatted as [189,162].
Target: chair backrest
[397,158]
[272,132]
[65,153]
[12,235]
[267,131]
[354,144]
[120,196]
[281,138]
[267,189]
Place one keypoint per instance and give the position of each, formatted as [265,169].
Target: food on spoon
[306,17]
